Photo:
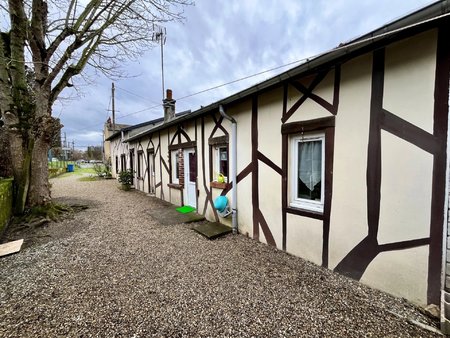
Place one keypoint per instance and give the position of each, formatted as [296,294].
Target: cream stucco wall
[270,108]
[409,79]
[348,224]
[305,238]
[392,272]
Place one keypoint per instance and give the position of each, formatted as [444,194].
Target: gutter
[233,168]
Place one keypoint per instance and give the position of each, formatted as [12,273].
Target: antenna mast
[113,89]
[159,35]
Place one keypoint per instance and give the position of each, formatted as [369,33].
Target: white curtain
[310,163]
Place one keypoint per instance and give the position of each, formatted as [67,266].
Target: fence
[6,199]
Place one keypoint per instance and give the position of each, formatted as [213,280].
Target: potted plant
[126,178]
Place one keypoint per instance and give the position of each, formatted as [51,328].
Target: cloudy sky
[221,41]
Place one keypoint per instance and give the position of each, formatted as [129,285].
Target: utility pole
[113,89]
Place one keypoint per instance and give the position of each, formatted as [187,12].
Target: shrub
[126,177]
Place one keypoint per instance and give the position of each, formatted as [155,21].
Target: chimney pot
[169,106]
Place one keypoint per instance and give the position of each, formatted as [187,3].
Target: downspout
[233,168]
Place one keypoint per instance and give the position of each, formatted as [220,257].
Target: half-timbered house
[341,160]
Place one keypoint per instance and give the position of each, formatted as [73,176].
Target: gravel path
[113,271]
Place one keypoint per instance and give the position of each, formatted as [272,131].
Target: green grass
[78,171]
[88,178]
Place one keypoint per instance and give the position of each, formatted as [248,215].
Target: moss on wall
[6,198]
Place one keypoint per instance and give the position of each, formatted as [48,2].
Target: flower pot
[126,187]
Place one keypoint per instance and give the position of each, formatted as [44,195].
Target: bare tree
[44,44]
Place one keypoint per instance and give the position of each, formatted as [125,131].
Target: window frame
[174,160]
[295,201]
[140,164]
[217,160]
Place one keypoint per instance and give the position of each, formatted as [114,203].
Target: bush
[102,170]
[126,177]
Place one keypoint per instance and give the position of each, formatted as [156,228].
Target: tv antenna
[159,36]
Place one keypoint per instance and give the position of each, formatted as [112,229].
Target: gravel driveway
[114,271]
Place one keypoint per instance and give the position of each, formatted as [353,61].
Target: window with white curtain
[308,171]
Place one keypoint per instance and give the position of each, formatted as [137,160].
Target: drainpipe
[233,167]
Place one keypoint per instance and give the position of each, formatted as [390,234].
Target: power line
[241,79]
[140,96]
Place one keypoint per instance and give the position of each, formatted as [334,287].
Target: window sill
[175,186]
[305,212]
[218,185]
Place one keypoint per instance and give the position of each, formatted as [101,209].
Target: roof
[134,127]
[117,126]
[418,21]
[144,126]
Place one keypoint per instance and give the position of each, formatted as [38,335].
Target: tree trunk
[39,192]
[45,128]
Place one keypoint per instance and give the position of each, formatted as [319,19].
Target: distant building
[108,130]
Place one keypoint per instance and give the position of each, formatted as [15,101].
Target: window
[132,160]
[220,170]
[140,163]
[175,160]
[308,171]
[123,163]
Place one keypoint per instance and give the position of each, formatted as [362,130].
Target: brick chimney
[169,106]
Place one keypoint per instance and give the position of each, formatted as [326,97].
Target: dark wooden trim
[220,140]
[316,98]
[373,177]
[329,156]
[308,126]
[319,77]
[337,87]
[355,263]
[404,245]
[409,132]
[173,137]
[265,229]
[191,144]
[305,213]
[160,166]
[205,186]
[210,153]
[255,171]
[269,163]
[175,186]
[166,166]
[441,109]
[183,132]
[158,185]
[284,187]
[285,99]
[243,174]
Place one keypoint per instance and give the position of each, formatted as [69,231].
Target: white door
[190,177]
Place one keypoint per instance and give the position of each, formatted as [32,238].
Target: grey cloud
[221,41]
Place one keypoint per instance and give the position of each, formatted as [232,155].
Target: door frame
[186,200]
[151,172]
